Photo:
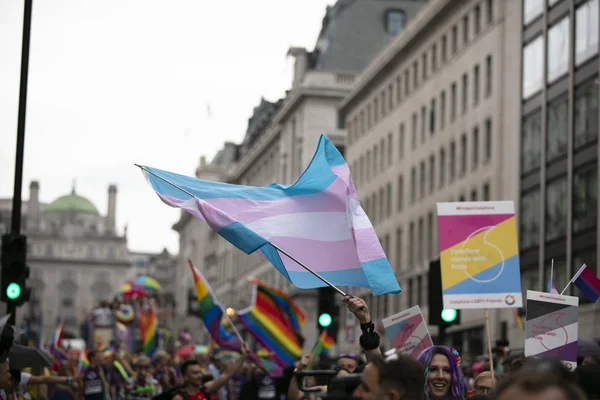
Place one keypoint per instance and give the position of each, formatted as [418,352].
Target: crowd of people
[439,373]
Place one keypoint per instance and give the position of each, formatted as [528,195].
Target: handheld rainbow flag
[149,328]
[275,321]
[84,362]
[517,318]
[324,343]
[318,219]
[588,283]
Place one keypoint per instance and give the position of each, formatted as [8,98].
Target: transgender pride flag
[317,220]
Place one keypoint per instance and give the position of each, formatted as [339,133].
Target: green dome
[73,203]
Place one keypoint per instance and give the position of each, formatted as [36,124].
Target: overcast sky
[113,82]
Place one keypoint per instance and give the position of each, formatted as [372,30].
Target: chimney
[33,208]
[111,217]
[300,64]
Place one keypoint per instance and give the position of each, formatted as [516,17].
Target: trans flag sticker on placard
[479,255]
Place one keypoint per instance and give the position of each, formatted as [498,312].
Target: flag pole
[331,285]
[572,279]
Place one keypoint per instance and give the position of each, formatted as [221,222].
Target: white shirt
[21,389]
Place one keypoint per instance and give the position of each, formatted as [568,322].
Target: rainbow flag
[211,312]
[517,318]
[149,328]
[99,345]
[84,362]
[324,343]
[212,315]
[588,283]
[275,321]
[318,219]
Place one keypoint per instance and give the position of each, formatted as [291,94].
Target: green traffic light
[13,291]
[324,320]
[449,315]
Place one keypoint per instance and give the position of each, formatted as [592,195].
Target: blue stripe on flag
[243,238]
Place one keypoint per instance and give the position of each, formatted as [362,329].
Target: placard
[407,332]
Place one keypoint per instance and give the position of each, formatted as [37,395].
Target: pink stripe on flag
[343,172]
[322,257]
[368,245]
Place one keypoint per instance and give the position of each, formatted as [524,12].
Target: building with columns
[281,138]
[77,257]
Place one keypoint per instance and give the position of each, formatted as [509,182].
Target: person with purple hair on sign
[443,376]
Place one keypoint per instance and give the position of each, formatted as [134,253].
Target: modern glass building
[559,145]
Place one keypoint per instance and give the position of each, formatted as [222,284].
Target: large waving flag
[212,315]
[275,321]
[318,220]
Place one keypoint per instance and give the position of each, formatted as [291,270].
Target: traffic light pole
[16,205]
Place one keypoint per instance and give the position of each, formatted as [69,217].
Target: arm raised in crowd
[369,339]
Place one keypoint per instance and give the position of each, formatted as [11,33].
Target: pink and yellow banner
[479,255]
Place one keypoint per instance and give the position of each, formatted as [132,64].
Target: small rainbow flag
[517,319]
[324,343]
[275,321]
[84,362]
[149,328]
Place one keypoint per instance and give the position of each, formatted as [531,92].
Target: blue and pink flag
[317,220]
[588,283]
[551,287]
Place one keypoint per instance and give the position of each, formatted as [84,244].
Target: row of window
[406,82]
[585,120]
[558,50]
[585,208]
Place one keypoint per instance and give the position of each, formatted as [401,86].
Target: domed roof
[72,203]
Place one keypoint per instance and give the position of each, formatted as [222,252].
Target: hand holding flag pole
[337,289]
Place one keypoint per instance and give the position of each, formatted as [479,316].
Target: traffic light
[13,285]
[442,317]
[328,312]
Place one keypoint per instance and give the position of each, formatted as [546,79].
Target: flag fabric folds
[212,315]
[275,321]
[317,220]
[588,283]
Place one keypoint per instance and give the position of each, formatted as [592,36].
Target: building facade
[434,118]
[77,257]
[282,136]
[559,146]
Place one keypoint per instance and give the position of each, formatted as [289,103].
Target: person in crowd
[95,384]
[397,377]
[60,391]
[369,339]
[480,397]
[165,374]
[444,378]
[194,386]
[6,382]
[484,383]
[143,385]
[539,379]
[294,392]
[348,361]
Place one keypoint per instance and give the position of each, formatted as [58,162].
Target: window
[586,113]
[383,103]
[434,58]
[391,96]
[474,195]
[401,141]
[375,157]
[361,169]
[558,50]
[487,151]
[452,161]
[529,220]
[465,29]
[461,198]
[488,75]
[453,101]
[463,154]
[532,9]
[413,185]
[368,116]
[390,149]
[454,39]
[531,142]
[414,131]
[368,164]
[475,147]
[420,240]
[585,199]
[423,123]
[477,17]
[476,85]
[431,173]
[399,241]
[374,206]
[556,209]
[388,195]
[406,82]
[486,192]
[442,109]
[400,201]
[382,155]
[422,180]
[490,11]
[424,66]
[465,93]
[411,245]
[382,205]
[532,67]
[415,75]
[375,110]
[558,127]
[394,21]
[430,235]
[444,48]
[442,167]
[586,32]
[432,117]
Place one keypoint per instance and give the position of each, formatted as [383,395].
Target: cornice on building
[387,58]
[80,262]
